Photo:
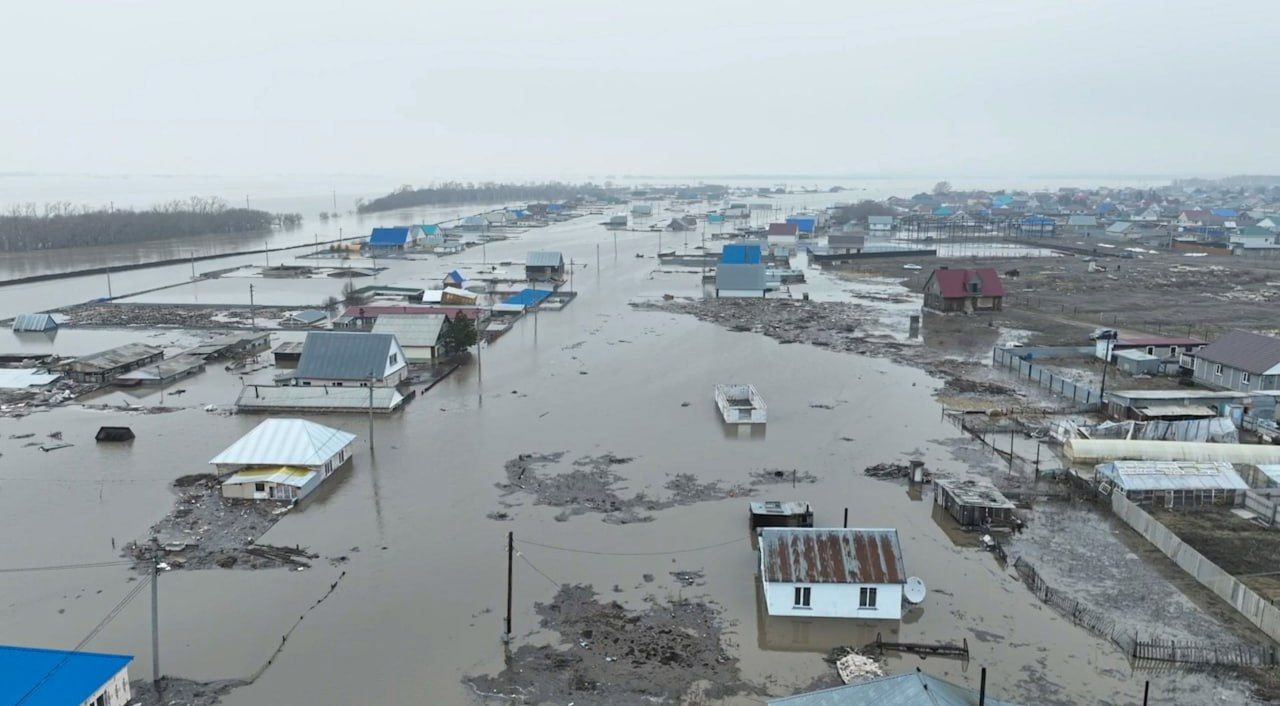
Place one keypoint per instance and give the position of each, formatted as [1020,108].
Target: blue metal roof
[389,237]
[943,211]
[1037,221]
[430,229]
[54,677]
[1105,207]
[1224,212]
[740,254]
[804,224]
[528,297]
[715,218]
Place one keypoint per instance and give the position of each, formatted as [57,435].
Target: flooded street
[422,603]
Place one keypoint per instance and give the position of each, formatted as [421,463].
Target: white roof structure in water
[17,378]
[285,442]
[1172,475]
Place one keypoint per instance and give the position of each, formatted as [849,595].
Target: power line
[111,615]
[62,567]
[662,553]
[554,582]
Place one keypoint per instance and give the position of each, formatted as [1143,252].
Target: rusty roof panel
[809,555]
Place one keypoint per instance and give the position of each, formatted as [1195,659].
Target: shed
[1137,362]
[783,229]
[974,503]
[544,265]
[34,322]
[305,319]
[528,298]
[38,677]
[740,255]
[358,359]
[911,689]
[419,336]
[163,372]
[879,224]
[114,434]
[454,279]
[775,513]
[1175,483]
[106,365]
[804,224]
[287,352]
[832,573]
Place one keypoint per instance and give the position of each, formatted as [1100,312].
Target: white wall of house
[1228,378]
[114,693]
[835,600]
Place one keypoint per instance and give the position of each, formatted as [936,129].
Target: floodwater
[422,600]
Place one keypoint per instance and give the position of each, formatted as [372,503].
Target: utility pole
[193,264]
[615,245]
[109,294]
[246,202]
[253,319]
[1106,363]
[597,259]
[570,274]
[511,555]
[335,201]
[266,252]
[155,613]
[370,414]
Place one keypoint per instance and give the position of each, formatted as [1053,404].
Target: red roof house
[784,229]
[949,290]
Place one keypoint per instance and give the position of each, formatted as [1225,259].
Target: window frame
[867,597]
[1244,378]
[1217,369]
[803,597]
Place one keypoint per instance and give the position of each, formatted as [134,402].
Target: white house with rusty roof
[832,572]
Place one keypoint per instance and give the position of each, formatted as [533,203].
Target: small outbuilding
[1137,362]
[740,272]
[109,364]
[775,513]
[544,266]
[974,503]
[308,318]
[114,434]
[832,573]
[1171,484]
[34,322]
[420,337]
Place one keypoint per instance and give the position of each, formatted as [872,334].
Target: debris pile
[172,315]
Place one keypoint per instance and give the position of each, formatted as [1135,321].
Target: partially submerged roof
[955,283]
[309,316]
[807,555]
[1245,350]
[339,355]
[912,689]
[165,369]
[283,475]
[740,254]
[526,298]
[783,229]
[975,492]
[1173,475]
[389,236]
[34,322]
[272,398]
[410,329]
[286,442]
[1082,220]
[115,357]
[36,677]
[18,378]
[776,507]
[544,258]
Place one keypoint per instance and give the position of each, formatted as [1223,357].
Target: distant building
[106,365]
[394,238]
[34,322]
[951,291]
[805,225]
[832,573]
[1169,348]
[420,337]
[350,359]
[1241,361]
[845,243]
[1123,229]
[544,266]
[1037,226]
[36,677]
[454,279]
[453,296]
[879,225]
[910,689]
[1082,224]
[783,229]
[308,318]
[974,503]
[740,272]
[282,459]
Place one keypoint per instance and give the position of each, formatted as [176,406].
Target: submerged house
[394,238]
[974,503]
[340,358]
[38,677]
[832,573]
[107,365]
[34,322]
[1239,360]
[740,272]
[950,291]
[544,266]
[282,459]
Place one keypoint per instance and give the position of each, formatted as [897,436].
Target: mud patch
[778,476]
[182,692]
[592,486]
[671,653]
[206,530]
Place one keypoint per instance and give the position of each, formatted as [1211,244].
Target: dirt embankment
[670,653]
[181,692]
[591,486]
[206,530]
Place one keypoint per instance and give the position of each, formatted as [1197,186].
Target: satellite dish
[914,591]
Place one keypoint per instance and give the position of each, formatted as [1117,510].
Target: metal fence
[1011,358]
[1265,508]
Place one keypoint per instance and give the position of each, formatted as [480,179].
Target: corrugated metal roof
[1245,350]
[286,442]
[17,378]
[411,329]
[284,475]
[740,254]
[1079,220]
[954,283]
[309,316]
[528,297]
[807,555]
[544,258]
[339,355]
[389,236]
[303,399]
[34,322]
[916,689]
[740,278]
[1173,475]
[115,357]
[72,677]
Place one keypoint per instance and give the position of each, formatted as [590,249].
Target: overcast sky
[431,89]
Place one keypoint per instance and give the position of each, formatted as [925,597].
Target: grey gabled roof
[1244,350]
[340,355]
[411,329]
[740,277]
[544,258]
[1079,220]
[912,689]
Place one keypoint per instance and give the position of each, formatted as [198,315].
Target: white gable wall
[834,600]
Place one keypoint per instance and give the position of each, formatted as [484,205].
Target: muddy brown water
[422,603]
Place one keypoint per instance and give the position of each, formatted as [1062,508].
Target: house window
[802,596]
[1244,378]
[1151,350]
[260,487]
[867,597]
[1173,351]
[1217,369]
[392,359]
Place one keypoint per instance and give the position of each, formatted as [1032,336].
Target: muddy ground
[592,486]
[670,653]
[172,315]
[1059,299]
[1240,547]
[206,531]
[181,692]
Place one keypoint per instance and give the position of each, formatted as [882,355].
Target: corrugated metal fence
[1258,610]
[1265,508]
[1012,359]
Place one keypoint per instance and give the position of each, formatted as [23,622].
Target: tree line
[61,224]
[452,192]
